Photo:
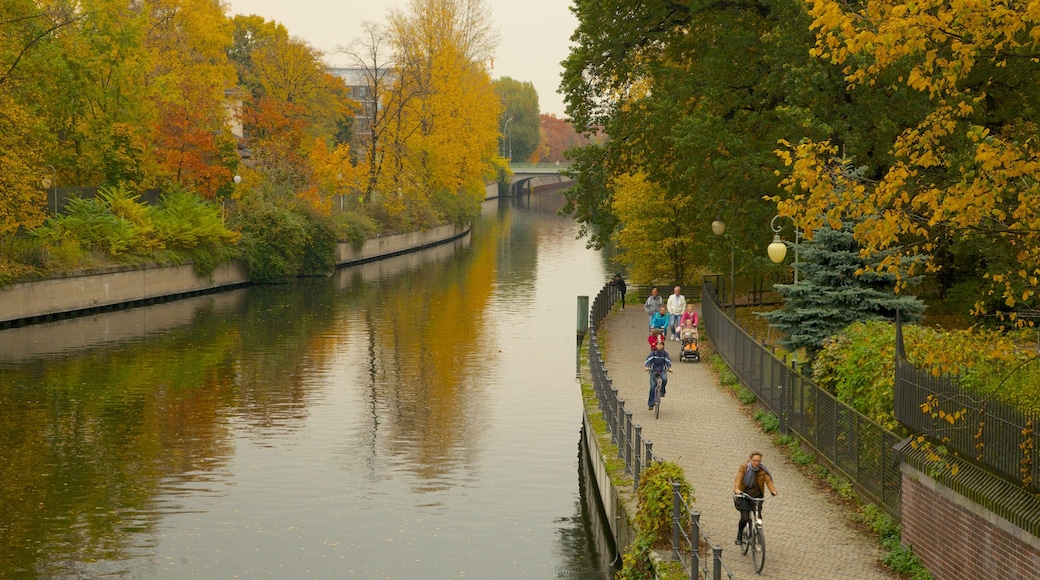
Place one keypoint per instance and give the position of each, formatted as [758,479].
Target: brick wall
[957,538]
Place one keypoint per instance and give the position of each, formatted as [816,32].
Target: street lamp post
[718,227]
[52,182]
[505,131]
[777,249]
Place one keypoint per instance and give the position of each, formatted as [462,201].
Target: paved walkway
[703,428]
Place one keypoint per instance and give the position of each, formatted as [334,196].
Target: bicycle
[657,391]
[754,535]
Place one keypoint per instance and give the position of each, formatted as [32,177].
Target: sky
[535,34]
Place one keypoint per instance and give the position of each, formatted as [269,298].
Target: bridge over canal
[527,176]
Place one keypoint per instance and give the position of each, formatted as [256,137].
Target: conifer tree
[837,288]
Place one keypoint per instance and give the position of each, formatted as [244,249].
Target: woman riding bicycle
[752,479]
[658,363]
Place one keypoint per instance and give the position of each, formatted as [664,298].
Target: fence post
[716,554]
[612,411]
[649,453]
[637,467]
[676,498]
[695,545]
[628,441]
[621,429]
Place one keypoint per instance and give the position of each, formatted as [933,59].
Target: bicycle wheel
[657,399]
[758,550]
[747,539]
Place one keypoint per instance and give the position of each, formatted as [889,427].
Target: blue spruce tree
[829,295]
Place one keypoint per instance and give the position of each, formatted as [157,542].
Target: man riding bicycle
[752,478]
[658,363]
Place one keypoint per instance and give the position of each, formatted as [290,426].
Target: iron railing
[637,452]
[993,434]
[844,439]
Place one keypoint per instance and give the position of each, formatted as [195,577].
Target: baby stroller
[690,347]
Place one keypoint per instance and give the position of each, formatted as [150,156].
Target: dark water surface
[412,418]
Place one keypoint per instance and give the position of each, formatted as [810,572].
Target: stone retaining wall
[126,285]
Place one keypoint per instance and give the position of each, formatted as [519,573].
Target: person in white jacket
[676,307]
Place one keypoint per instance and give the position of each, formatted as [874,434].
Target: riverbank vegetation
[235,132]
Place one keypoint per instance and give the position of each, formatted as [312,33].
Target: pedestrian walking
[652,305]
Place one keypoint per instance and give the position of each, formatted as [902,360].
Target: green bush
[191,228]
[273,241]
[857,366]
[654,517]
[319,251]
[745,396]
[280,243]
[354,228]
[115,226]
[770,422]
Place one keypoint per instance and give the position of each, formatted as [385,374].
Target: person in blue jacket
[658,363]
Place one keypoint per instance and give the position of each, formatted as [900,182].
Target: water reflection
[422,407]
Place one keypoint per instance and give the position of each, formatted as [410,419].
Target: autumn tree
[558,136]
[446,133]
[964,174]
[193,145]
[372,55]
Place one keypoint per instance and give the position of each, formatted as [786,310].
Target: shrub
[354,228]
[745,396]
[857,366]
[190,228]
[319,251]
[273,241]
[655,500]
[770,422]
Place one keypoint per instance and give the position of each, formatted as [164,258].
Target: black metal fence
[847,441]
[997,436]
[637,452]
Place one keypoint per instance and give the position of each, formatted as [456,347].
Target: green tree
[521,136]
[837,287]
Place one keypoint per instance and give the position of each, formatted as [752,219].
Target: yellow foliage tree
[968,171]
[656,243]
[446,132]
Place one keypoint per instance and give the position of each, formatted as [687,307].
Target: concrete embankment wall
[616,502]
[108,288]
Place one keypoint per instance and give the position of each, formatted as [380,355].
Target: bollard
[716,552]
[695,545]
[638,446]
[676,498]
[628,441]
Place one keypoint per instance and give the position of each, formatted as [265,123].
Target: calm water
[415,418]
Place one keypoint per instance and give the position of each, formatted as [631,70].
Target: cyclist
[752,478]
[658,363]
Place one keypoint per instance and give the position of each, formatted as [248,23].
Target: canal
[411,418]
